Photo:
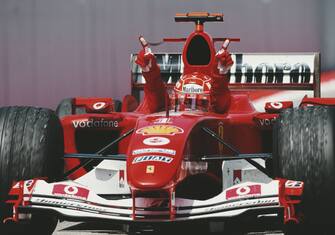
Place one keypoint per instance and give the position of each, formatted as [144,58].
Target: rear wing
[251,71]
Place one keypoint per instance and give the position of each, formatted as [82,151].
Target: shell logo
[160,130]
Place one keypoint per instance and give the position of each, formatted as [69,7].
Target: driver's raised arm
[154,88]
[220,94]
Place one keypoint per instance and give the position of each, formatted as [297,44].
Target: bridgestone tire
[304,150]
[31,145]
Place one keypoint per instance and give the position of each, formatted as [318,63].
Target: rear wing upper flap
[289,71]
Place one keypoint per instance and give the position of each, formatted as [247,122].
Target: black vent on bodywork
[198,51]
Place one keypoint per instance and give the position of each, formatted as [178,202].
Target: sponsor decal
[245,191]
[267,122]
[152,158]
[247,68]
[160,130]
[162,120]
[243,203]
[237,176]
[95,123]
[150,169]
[294,184]
[154,150]
[276,105]
[156,141]
[121,179]
[193,88]
[70,191]
[71,204]
[29,185]
[99,105]
[254,69]
[159,203]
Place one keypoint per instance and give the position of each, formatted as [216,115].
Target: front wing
[76,202]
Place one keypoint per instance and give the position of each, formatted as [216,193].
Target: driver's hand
[145,58]
[223,58]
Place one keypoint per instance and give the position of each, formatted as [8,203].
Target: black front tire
[304,143]
[31,145]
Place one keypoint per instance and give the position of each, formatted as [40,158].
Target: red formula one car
[104,160]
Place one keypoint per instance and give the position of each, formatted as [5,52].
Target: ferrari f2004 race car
[106,160]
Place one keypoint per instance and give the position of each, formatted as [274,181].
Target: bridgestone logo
[101,123]
[73,205]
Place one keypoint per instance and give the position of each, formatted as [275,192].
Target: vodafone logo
[99,105]
[276,105]
[71,190]
[244,191]
[95,123]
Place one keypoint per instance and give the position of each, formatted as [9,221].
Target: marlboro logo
[193,88]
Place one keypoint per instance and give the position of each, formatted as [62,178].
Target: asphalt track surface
[75,228]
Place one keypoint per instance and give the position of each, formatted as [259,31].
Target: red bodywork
[240,125]
[170,153]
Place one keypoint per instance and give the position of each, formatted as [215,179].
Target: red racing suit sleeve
[154,88]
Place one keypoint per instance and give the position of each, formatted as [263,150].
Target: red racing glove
[223,58]
[145,58]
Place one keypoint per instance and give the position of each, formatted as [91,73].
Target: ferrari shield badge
[150,169]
